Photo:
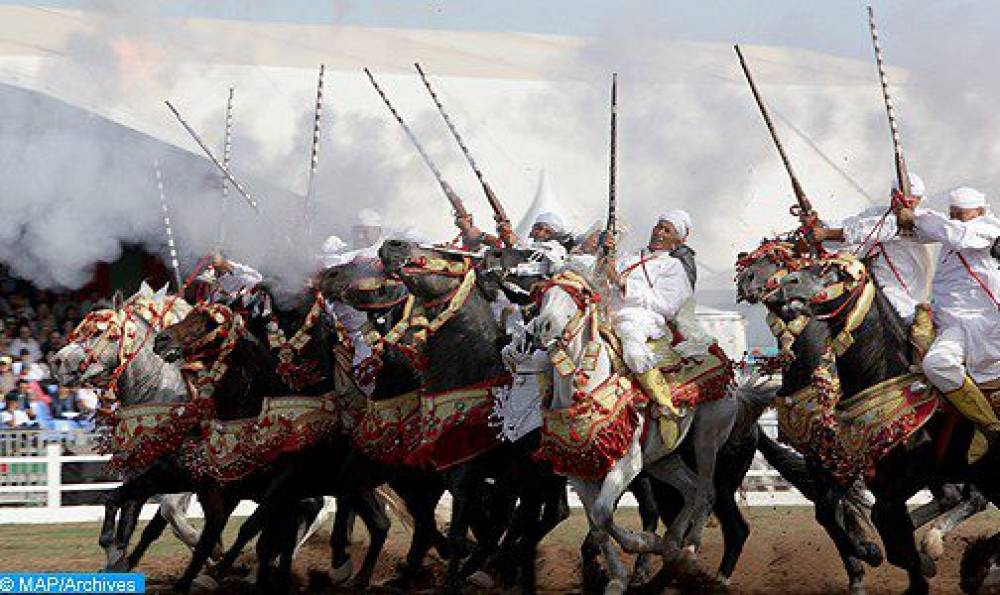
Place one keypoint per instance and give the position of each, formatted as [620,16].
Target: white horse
[566,321]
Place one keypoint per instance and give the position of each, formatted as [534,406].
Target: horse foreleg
[602,509]
[590,493]
[174,507]
[896,529]
[676,474]
[217,511]
[341,567]
[152,532]
[373,514]
[649,514]
[464,488]
[933,542]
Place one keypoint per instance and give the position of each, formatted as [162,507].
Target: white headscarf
[966,198]
[551,219]
[334,252]
[368,218]
[917,188]
[680,220]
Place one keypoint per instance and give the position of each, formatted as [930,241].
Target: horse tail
[390,499]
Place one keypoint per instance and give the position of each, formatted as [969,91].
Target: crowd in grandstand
[34,325]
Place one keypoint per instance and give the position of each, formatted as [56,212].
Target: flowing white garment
[902,266]
[962,298]
[656,287]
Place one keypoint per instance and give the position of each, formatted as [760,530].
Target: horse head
[362,284]
[199,333]
[563,300]
[758,272]
[515,271]
[823,288]
[91,353]
[430,274]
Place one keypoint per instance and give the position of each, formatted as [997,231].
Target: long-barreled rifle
[211,156]
[314,149]
[902,177]
[803,209]
[612,227]
[503,222]
[175,263]
[453,198]
[227,156]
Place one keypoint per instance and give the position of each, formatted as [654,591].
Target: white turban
[552,220]
[680,220]
[334,252]
[966,198]
[917,188]
[368,218]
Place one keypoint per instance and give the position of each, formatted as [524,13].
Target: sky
[830,27]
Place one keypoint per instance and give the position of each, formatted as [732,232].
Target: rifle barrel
[613,161]
[227,155]
[171,246]
[498,212]
[453,198]
[902,178]
[800,195]
[208,152]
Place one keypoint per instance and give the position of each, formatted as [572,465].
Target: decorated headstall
[781,253]
[214,346]
[587,304]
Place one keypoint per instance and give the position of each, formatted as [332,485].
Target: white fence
[32,466]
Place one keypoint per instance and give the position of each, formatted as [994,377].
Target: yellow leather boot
[922,331]
[656,388]
[973,404]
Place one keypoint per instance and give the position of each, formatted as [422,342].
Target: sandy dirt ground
[787,553]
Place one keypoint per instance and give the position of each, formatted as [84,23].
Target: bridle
[218,343]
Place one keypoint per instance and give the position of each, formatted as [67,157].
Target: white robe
[654,293]
[903,264]
[967,317]
[241,277]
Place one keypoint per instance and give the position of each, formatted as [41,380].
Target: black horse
[935,455]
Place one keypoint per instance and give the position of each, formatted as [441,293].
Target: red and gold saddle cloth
[389,430]
[849,437]
[231,450]
[143,433]
[587,438]
[455,425]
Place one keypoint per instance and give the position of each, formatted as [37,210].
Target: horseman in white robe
[229,280]
[648,290]
[966,301]
[902,265]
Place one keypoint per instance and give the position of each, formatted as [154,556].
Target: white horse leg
[324,515]
[933,542]
[174,507]
[589,493]
[678,475]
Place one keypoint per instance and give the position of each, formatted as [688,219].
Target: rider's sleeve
[865,228]
[670,289]
[240,277]
[977,234]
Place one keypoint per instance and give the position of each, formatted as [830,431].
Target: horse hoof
[933,544]
[871,554]
[615,587]
[204,583]
[928,567]
[341,574]
[690,553]
[857,588]
[481,579]
[641,574]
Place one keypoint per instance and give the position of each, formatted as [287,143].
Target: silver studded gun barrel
[227,157]
[902,177]
[453,198]
[171,246]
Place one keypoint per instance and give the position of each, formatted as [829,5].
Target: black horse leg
[641,488]
[733,465]
[464,488]
[267,502]
[893,522]
[829,514]
[154,529]
[218,508]
[421,495]
[373,514]
[341,567]
[555,509]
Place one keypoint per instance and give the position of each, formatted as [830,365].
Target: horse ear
[117,300]
[145,290]
[162,293]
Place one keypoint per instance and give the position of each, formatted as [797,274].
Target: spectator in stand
[64,405]
[14,415]
[8,381]
[28,369]
[73,314]
[23,393]
[25,341]
[68,326]
[86,400]
[53,342]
